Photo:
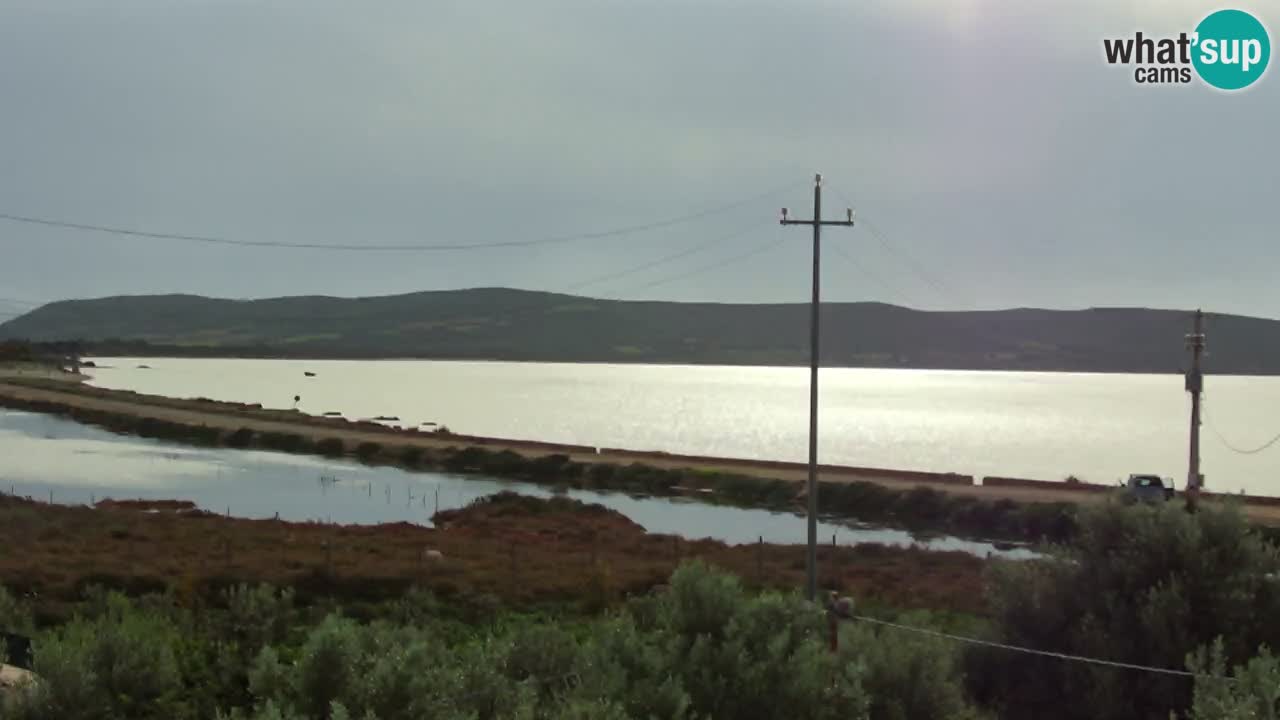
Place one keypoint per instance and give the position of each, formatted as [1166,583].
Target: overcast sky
[1001,161]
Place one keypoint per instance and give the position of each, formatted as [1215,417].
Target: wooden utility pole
[1195,386]
[811,564]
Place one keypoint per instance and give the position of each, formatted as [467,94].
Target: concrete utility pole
[811,559]
[1195,386]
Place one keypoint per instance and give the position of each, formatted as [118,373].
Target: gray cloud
[986,139]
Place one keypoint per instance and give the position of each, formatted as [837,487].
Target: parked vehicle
[1149,488]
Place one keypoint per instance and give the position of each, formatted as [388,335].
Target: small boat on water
[387,418]
[308,373]
[333,413]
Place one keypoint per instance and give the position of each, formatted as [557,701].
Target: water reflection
[43,456]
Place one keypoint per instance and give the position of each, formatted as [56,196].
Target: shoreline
[754,483]
[622,362]
[231,416]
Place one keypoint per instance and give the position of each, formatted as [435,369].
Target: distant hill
[503,324]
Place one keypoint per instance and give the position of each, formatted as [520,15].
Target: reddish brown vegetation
[520,550]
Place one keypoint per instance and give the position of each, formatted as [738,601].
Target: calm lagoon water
[1038,425]
[41,454]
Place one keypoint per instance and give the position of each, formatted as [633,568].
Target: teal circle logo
[1232,49]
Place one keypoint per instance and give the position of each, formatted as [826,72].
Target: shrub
[331,447]
[391,673]
[241,438]
[762,658]
[15,615]
[1253,692]
[368,450]
[906,675]
[1145,585]
[548,467]
[601,474]
[286,442]
[121,664]
[504,462]
[411,455]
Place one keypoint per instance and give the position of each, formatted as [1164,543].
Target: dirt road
[230,417]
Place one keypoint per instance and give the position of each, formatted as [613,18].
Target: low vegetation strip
[921,508]
[905,475]
[1179,634]
[1025,514]
[508,549]
[1025,483]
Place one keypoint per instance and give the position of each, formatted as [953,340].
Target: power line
[862,271]
[932,281]
[1042,653]
[936,284]
[755,250]
[668,258]
[626,271]
[1213,428]
[628,230]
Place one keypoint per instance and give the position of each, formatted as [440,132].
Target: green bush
[705,649]
[331,447]
[601,475]
[1140,584]
[121,664]
[15,614]
[411,456]
[1250,693]
[241,438]
[505,463]
[285,442]
[549,468]
[368,450]
[906,675]
[468,459]
[760,658]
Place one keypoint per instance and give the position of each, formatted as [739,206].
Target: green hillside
[506,324]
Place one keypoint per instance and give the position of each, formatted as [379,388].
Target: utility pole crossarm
[816,222]
[786,220]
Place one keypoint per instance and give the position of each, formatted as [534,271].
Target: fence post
[760,560]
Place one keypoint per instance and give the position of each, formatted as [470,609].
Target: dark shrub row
[920,508]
